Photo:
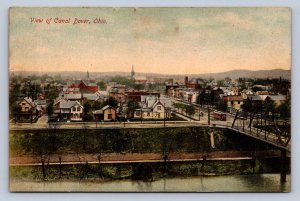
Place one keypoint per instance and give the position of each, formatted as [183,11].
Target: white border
[4,192]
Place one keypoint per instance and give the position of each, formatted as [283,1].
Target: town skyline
[274,73]
[158,40]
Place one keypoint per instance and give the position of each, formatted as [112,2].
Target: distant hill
[234,74]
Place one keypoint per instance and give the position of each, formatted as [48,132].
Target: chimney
[186,80]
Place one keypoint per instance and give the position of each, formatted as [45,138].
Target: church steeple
[132,72]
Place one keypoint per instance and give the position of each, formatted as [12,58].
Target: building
[217,91]
[107,113]
[193,83]
[260,93]
[83,87]
[278,99]
[259,87]
[141,80]
[172,90]
[41,105]
[68,110]
[154,108]
[247,93]
[232,91]
[116,91]
[191,96]
[98,96]
[137,95]
[233,103]
[28,109]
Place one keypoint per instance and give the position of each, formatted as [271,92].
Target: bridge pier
[283,169]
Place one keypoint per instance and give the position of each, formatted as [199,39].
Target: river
[231,183]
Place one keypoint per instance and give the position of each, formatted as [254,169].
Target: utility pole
[208,115]
[199,112]
[164,114]
[124,120]
[283,168]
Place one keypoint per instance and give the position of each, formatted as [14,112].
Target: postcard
[156,99]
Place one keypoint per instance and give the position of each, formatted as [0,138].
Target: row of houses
[69,103]
[150,108]
[191,91]
[73,111]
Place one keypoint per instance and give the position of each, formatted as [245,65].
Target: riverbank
[143,171]
[229,183]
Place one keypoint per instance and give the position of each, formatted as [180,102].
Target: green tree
[269,106]
[50,109]
[212,97]
[138,86]
[57,77]
[44,77]
[132,105]
[284,110]
[112,102]
[154,87]
[123,80]
[220,83]
[228,80]
[176,105]
[222,106]
[13,95]
[190,110]
[101,85]
[15,110]
[201,97]
[247,106]
[87,107]
[97,105]
[51,92]
[179,106]
[87,111]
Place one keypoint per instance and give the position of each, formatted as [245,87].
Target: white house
[70,110]
[233,102]
[278,99]
[154,108]
[191,96]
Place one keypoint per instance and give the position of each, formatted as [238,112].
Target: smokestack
[186,80]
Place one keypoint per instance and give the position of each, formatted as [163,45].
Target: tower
[87,75]
[132,72]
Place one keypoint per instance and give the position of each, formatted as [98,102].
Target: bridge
[263,127]
[268,129]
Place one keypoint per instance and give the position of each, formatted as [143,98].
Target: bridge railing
[257,127]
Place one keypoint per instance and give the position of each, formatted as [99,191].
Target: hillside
[276,73]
